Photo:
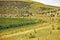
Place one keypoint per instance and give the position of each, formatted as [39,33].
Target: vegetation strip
[15,25]
[6,23]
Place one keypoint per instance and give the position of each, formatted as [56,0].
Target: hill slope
[24,9]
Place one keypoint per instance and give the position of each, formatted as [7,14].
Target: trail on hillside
[24,32]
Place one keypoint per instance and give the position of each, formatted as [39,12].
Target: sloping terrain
[22,20]
[12,9]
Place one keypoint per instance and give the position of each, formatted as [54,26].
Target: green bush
[58,28]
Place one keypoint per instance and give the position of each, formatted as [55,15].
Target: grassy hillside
[13,9]
[24,20]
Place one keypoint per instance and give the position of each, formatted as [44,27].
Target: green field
[6,23]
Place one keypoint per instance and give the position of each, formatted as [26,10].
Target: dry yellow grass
[43,31]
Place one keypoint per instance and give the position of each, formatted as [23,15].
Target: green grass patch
[6,23]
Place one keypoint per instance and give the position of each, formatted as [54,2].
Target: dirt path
[32,30]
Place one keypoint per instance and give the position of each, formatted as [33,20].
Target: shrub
[52,15]
[1,27]
[32,36]
[58,28]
